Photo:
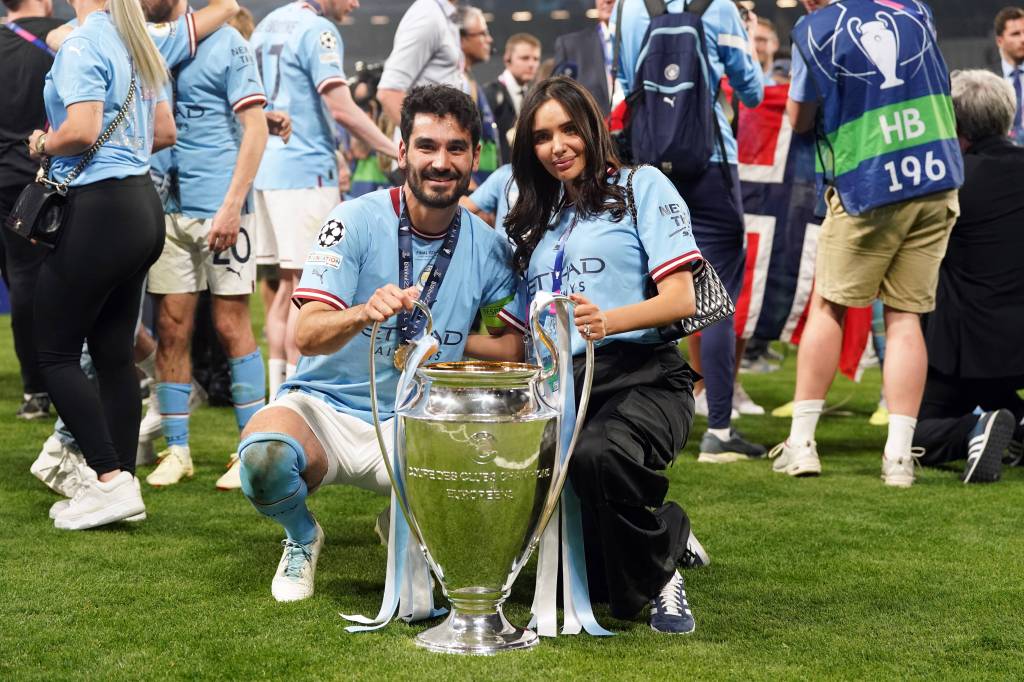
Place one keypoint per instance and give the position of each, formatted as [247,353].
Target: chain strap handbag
[38,214]
[712,298]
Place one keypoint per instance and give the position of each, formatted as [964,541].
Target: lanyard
[411,324]
[25,35]
[556,274]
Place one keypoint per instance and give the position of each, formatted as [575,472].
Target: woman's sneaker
[35,406]
[97,503]
[297,569]
[60,505]
[796,460]
[670,612]
[57,467]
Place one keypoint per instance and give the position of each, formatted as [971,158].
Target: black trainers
[36,406]
[695,555]
[985,447]
[716,451]
[670,613]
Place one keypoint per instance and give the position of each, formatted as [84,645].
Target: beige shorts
[187,264]
[892,252]
[288,221]
[353,455]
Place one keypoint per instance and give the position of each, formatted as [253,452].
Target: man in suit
[586,56]
[1009,27]
[975,337]
[505,95]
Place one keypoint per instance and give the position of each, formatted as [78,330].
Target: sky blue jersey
[496,195]
[355,254]
[299,54]
[221,80]
[609,262]
[728,54]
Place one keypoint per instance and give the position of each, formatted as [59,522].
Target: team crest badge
[330,234]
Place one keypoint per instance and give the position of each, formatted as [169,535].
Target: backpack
[671,122]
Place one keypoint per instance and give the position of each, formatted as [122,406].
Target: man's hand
[224,230]
[32,140]
[279,123]
[389,300]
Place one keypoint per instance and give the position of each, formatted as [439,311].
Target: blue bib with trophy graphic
[886,129]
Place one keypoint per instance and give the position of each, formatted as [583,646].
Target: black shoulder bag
[38,214]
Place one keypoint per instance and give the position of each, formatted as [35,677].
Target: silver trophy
[880,42]
[478,477]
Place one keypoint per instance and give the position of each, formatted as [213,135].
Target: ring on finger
[586,330]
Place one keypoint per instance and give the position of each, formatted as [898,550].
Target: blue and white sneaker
[986,445]
[695,555]
[297,569]
[670,612]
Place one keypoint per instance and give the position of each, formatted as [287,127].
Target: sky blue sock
[272,464]
[173,399]
[248,386]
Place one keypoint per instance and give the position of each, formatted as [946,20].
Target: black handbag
[40,210]
[712,298]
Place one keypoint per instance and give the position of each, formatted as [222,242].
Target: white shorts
[187,264]
[353,455]
[288,221]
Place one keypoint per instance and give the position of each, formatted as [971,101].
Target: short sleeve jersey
[609,262]
[496,195]
[221,80]
[299,54]
[355,254]
[426,50]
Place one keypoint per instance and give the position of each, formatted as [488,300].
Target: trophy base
[476,634]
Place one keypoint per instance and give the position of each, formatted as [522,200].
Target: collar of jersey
[312,7]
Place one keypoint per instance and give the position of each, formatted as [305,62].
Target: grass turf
[830,578]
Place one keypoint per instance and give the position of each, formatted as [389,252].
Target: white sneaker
[294,578]
[60,505]
[742,402]
[97,504]
[175,463]
[898,471]
[700,406]
[796,460]
[57,467]
[151,424]
[232,478]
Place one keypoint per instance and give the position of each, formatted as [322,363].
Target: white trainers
[60,505]
[743,403]
[97,504]
[898,471]
[232,478]
[796,460]
[175,464]
[294,578]
[57,467]
[700,406]
[151,424]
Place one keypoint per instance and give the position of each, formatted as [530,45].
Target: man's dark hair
[1005,16]
[440,101]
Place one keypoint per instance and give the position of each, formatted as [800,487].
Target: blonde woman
[89,287]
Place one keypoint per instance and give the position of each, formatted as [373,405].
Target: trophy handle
[374,408]
[541,338]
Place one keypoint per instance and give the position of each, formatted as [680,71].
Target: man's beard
[417,180]
[159,11]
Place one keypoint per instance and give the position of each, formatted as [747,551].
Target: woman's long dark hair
[539,191]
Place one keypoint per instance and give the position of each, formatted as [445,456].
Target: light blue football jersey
[220,80]
[496,195]
[299,54]
[355,254]
[609,262]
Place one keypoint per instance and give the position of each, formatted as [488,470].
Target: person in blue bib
[869,78]
[368,263]
[575,234]
[493,198]
[90,286]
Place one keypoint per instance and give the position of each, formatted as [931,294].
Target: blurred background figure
[1009,27]
[505,95]
[586,56]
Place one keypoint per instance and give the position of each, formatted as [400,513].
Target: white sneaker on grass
[96,503]
[151,424]
[743,403]
[796,460]
[60,505]
[57,467]
[700,406]
[175,464]
[898,470]
[297,569]
[232,478]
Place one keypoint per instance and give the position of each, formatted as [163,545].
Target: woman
[574,233]
[90,287]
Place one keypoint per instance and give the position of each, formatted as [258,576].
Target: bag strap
[630,199]
[87,155]
[29,37]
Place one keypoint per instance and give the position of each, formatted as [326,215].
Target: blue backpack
[670,120]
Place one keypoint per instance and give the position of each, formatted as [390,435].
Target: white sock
[720,434]
[805,420]
[148,365]
[289,371]
[901,435]
[275,370]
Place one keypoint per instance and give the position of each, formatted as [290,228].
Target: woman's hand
[32,141]
[591,321]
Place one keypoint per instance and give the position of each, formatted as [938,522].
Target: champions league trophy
[477,474]
[880,42]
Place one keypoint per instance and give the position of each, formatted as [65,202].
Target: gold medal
[401,356]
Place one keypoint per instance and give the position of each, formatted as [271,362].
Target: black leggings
[89,288]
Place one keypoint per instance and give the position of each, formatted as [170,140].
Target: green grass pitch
[830,578]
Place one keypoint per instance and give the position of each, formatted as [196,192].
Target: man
[1010,41]
[975,337]
[299,52]
[505,95]
[426,51]
[766,46]
[24,61]
[892,201]
[713,197]
[476,43]
[587,56]
[218,105]
[319,429]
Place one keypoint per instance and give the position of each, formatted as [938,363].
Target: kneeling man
[373,257]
